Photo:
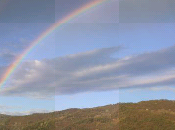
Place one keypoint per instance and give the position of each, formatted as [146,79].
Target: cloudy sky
[119,51]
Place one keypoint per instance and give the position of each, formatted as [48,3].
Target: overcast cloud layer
[94,70]
[28,11]
[147,11]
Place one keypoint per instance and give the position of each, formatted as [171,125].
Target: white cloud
[162,88]
[165,88]
[4,107]
[22,113]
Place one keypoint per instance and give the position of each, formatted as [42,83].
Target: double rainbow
[53,27]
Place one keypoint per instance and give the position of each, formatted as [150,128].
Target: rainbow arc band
[53,27]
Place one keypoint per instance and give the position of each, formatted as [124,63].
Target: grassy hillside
[145,115]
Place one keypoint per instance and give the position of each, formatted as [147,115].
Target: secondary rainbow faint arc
[66,19]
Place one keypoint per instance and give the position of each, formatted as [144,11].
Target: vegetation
[145,115]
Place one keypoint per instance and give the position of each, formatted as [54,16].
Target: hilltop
[144,115]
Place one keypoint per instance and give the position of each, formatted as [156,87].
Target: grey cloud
[29,11]
[47,74]
[7,56]
[13,46]
[108,12]
[92,71]
[150,62]
[8,51]
[142,64]
[85,59]
[147,11]
[2,70]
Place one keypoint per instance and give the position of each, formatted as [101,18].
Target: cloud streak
[7,56]
[4,107]
[94,70]
[22,113]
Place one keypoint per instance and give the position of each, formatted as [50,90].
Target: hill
[144,115]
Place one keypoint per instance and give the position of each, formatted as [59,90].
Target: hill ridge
[145,115]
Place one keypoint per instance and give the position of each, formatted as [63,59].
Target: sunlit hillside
[145,115]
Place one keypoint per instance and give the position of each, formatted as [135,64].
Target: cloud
[94,70]
[29,11]
[106,13]
[9,50]
[22,113]
[4,107]
[14,44]
[163,88]
[7,56]
[147,11]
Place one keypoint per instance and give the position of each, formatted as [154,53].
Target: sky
[118,51]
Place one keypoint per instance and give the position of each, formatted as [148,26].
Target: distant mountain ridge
[144,115]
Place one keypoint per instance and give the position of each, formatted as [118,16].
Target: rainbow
[53,27]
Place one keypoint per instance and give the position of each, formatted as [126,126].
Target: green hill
[145,115]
